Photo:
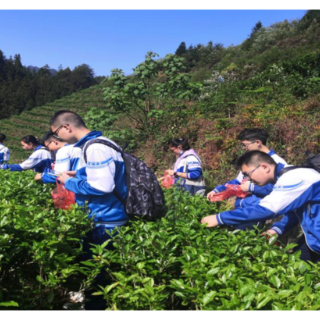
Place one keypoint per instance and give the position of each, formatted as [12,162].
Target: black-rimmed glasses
[55,133]
[248,175]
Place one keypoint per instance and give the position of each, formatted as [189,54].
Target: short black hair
[2,137]
[67,117]
[49,136]
[30,139]
[254,134]
[179,142]
[254,158]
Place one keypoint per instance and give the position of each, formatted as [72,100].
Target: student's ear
[266,167]
[69,129]
[259,143]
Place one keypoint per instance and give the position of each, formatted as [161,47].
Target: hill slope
[36,121]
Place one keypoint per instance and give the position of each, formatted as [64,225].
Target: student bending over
[39,160]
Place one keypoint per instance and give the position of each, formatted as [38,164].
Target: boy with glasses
[295,195]
[96,183]
[251,139]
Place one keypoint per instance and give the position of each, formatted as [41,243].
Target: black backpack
[312,162]
[145,196]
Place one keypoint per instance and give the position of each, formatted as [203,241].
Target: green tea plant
[39,246]
[178,264]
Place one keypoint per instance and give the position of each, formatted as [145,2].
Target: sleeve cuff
[277,230]
[251,187]
[219,219]
[67,180]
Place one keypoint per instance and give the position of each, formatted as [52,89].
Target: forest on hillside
[23,88]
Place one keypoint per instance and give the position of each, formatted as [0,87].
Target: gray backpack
[145,196]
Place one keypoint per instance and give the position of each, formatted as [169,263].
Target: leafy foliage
[22,89]
[40,246]
[179,264]
[156,92]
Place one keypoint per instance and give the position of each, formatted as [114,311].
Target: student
[4,151]
[39,160]
[95,180]
[67,158]
[251,139]
[93,183]
[187,169]
[295,195]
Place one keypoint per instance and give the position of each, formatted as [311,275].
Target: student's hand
[268,233]
[64,176]
[245,186]
[210,194]
[170,172]
[71,173]
[38,176]
[211,221]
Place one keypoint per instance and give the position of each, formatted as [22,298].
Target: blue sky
[107,39]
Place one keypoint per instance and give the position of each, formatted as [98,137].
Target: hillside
[36,121]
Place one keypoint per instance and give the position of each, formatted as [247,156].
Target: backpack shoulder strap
[284,170]
[111,145]
[101,141]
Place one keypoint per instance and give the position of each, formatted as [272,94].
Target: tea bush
[172,264]
[178,264]
[39,246]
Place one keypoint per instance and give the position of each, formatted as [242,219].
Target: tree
[256,28]
[308,18]
[246,45]
[23,88]
[2,66]
[156,89]
[82,77]
[182,49]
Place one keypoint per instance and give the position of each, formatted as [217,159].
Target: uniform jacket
[4,154]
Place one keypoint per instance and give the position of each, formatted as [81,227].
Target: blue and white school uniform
[256,192]
[39,161]
[95,181]
[67,159]
[189,163]
[296,196]
[4,154]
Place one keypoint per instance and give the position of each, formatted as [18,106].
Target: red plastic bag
[167,180]
[62,198]
[232,190]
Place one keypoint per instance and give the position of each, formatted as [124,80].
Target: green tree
[308,18]
[256,28]
[182,49]
[156,87]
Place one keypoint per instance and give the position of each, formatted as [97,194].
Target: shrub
[179,264]
[39,246]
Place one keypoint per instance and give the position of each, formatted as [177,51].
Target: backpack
[145,197]
[312,162]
